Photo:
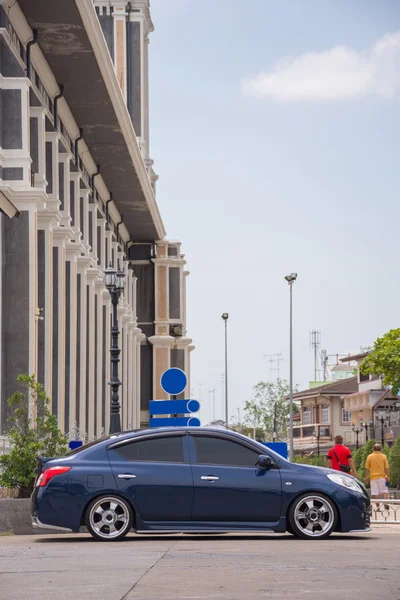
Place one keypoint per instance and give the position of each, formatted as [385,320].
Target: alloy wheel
[109,518]
[314,516]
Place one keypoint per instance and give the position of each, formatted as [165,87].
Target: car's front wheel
[312,516]
[109,518]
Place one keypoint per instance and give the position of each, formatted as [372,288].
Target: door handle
[126,476]
[209,478]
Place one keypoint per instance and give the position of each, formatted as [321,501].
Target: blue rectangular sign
[74,444]
[172,407]
[278,447]
[174,422]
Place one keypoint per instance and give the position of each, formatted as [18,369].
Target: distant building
[371,403]
[322,412]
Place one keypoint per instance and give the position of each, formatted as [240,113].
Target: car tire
[312,516]
[289,528]
[109,518]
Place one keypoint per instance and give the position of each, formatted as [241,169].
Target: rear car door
[154,472]
[228,486]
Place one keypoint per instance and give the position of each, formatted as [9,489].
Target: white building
[77,191]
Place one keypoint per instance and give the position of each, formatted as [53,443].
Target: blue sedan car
[192,480]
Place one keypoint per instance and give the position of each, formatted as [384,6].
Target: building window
[364,377]
[306,415]
[346,415]
[325,413]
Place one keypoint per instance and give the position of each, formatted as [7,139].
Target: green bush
[394,463]
[364,452]
[33,432]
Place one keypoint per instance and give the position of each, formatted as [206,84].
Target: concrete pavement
[198,567]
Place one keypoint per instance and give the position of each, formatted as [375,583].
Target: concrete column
[120,53]
[72,316]
[46,221]
[19,282]
[107,358]
[75,212]
[92,274]
[84,219]
[38,146]
[61,301]
[92,229]
[52,160]
[100,350]
[64,188]
[82,362]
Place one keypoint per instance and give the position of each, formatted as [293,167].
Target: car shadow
[80,538]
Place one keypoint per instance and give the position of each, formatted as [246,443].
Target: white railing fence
[385,511]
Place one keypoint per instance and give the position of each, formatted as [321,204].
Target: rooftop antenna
[315,344]
[272,359]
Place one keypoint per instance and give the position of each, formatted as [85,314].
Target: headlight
[347,482]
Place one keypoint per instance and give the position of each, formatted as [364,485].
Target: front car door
[228,484]
[154,472]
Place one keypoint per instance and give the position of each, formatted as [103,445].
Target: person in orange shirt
[377,471]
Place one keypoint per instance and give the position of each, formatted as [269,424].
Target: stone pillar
[92,274]
[107,358]
[119,15]
[75,202]
[72,318]
[38,145]
[61,301]
[100,352]
[82,349]
[19,282]
[64,188]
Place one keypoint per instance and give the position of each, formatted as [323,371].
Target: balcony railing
[307,431]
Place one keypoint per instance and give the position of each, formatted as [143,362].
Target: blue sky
[275,133]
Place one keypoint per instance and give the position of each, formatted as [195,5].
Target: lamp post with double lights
[291,279]
[357,432]
[367,425]
[115,284]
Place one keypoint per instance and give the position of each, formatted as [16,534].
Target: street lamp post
[317,435]
[382,420]
[225,318]
[290,279]
[115,284]
[357,432]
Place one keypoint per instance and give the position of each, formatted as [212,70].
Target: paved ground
[197,567]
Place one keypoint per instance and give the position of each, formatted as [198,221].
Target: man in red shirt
[339,456]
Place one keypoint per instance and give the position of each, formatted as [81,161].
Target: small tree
[33,432]
[384,359]
[269,406]
[394,463]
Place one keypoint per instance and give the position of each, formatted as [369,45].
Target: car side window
[159,449]
[217,451]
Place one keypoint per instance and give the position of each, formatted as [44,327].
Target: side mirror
[265,462]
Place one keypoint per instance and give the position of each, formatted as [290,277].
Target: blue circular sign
[193,406]
[193,422]
[173,381]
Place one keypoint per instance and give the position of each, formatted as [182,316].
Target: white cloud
[341,72]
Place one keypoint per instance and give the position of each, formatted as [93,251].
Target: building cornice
[100,49]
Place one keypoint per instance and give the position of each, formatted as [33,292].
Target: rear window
[161,449]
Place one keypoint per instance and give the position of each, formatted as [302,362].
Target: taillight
[48,474]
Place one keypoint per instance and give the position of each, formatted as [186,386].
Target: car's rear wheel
[312,516]
[109,518]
